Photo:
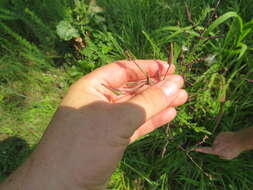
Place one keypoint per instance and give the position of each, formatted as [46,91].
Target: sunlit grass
[214,54]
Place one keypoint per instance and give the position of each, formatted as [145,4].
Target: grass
[213,53]
[26,109]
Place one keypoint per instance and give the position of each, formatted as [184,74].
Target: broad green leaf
[66,31]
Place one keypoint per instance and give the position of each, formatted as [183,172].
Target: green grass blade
[243,50]
[155,48]
[221,20]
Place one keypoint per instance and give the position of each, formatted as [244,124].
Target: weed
[46,45]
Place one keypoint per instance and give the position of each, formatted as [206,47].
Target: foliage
[46,45]
[66,31]
[214,60]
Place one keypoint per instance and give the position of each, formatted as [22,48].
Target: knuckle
[179,79]
[184,95]
[147,98]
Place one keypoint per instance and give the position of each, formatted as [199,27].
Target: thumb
[156,98]
[207,150]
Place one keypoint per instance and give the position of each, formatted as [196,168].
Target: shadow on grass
[13,151]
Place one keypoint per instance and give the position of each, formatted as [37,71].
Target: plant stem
[170,58]
[130,58]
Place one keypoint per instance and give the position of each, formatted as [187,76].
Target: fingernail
[169,88]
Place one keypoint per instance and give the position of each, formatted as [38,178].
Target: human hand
[227,145]
[92,127]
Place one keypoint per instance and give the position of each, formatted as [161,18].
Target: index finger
[207,150]
[118,73]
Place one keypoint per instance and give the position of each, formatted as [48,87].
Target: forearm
[35,174]
[245,137]
[45,168]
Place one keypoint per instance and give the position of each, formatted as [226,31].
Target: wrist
[245,139]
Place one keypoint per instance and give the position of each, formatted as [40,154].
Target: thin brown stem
[248,80]
[195,163]
[113,90]
[168,135]
[170,58]
[199,143]
[188,13]
[214,14]
[219,116]
[131,58]
[210,37]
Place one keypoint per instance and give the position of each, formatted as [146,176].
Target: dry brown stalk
[131,58]
[135,87]
[169,138]
[199,143]
[248,80]
[188,13]
[195,163]
[220,115]
[170,57]
[115,91]
[210,37]
[214,14]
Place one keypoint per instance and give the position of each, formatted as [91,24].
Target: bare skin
[92,127]
[229,145]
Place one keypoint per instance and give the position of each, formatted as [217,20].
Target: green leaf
[243,50]
[66,31]
[156,49]
[176,31]
[221,20]
[201,130]
[189,180]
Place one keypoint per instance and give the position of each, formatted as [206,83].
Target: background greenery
[46,45]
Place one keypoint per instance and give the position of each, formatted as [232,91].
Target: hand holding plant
[92,127]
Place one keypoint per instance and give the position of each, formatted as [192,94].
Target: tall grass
[214,54]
